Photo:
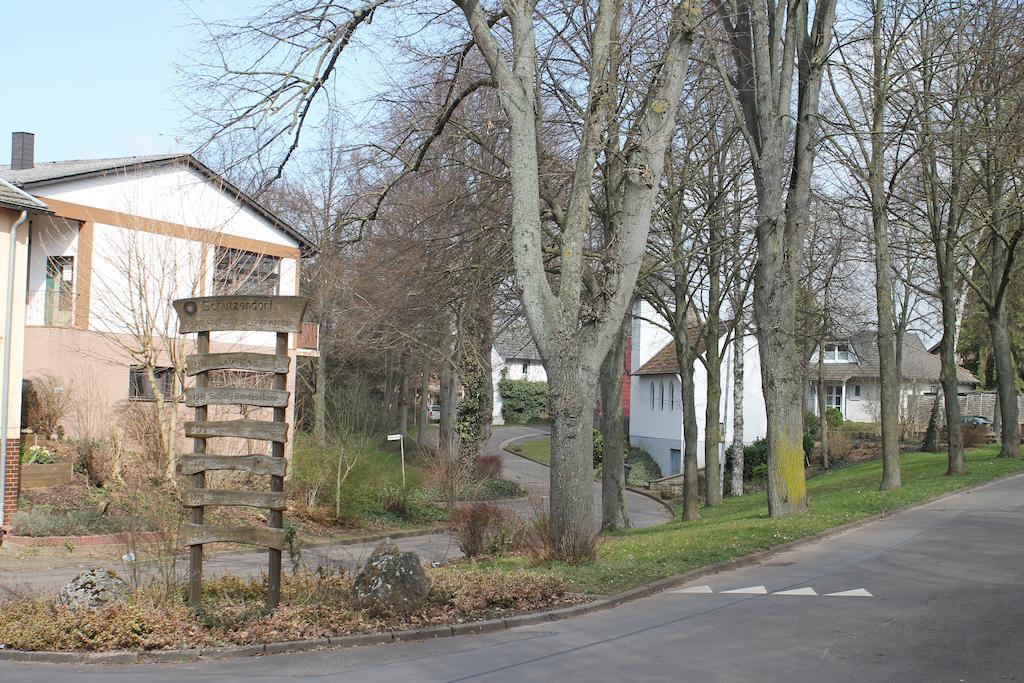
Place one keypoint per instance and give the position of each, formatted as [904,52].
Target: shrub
[638,456]
[488,467]
[834,417]
[394,498]
[755,460]
[523,401]
[808,444]
[485,528]
[974,435]
[45,404]
[598,448]
[36,455]
[639,475]
[44,520]
[500,488]
[840,445]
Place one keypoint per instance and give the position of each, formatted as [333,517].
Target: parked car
[976,420]
[434,413]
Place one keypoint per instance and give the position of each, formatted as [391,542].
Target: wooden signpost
[280,314]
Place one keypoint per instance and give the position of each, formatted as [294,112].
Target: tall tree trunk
[737,408]
[320,402]
[822,406]
[889,372]
[404,387]
[572,394]
[1006,383]
[614,513]
[712,411]
[931,434]
[774,309]
[691,489]
[949,381]
[424,400]
[448,432]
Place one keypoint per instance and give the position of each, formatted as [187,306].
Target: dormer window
[838,353]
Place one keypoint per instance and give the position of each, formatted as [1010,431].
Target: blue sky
[98,78]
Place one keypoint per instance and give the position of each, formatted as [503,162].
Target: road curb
[466,628]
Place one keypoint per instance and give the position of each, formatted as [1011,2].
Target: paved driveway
[932,594]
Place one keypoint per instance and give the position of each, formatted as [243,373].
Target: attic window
[245,272]
[838,353]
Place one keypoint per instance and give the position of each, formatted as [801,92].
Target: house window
[837,353]
[140,388]
[526,368]
[834,396]
[652,395]
[60,291]
[245,272]
[671,395]
[661,395]
[856,391]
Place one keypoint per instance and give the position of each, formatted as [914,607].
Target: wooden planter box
[44,476]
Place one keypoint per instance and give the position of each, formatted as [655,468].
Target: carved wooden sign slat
[242,313]
[243,429]
[254,499]
[236,360]
[197,534]
[253,464]
[226,396]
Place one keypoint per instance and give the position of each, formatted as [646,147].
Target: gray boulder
[391,581]
[92,589]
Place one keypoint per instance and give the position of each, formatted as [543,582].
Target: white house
[852,384]
[514,355]
[850,370]
[656,412]
[125,237]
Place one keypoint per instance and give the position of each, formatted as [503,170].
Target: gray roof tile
[11,196]
[60,170]
[515,342]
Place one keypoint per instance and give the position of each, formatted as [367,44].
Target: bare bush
[488,467]
[483,528]
[46,403]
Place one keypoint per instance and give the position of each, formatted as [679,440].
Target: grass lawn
[740,526]
[538,450]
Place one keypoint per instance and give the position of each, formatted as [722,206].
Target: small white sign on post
[401,446]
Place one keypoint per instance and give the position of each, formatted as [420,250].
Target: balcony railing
[53,308]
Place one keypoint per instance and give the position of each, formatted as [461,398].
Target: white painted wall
[659,430]
[535,372]
[175,266]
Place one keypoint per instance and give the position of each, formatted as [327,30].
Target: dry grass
[313,605]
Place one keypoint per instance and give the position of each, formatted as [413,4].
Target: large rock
[92,589]
[391,580]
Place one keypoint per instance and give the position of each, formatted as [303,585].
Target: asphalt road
[946,604]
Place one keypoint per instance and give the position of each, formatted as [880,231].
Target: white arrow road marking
[752,590]
[797,591]
[694,590]
[855,593]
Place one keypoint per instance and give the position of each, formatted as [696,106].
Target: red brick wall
[13,479]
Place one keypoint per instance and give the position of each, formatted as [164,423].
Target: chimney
[23,151]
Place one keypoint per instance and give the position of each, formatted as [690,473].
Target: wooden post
[277,485]
[280,314]
[195,563]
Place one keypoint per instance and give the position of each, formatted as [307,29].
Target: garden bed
[314,605]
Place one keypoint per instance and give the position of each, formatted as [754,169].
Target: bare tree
[773,43]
